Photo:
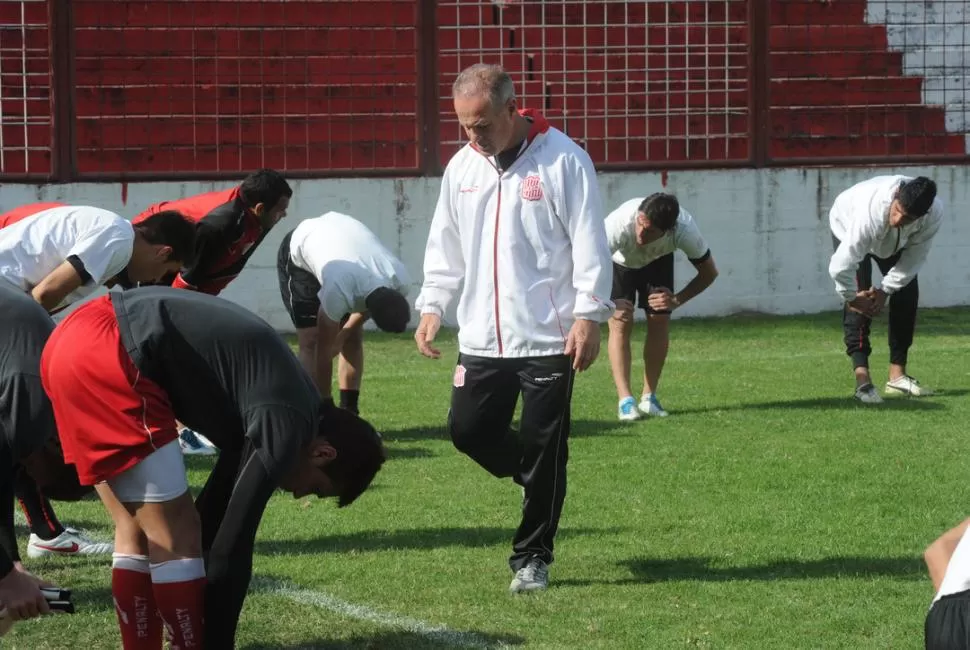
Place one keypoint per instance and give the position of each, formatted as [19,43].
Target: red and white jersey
[32,248]
[348,260]
[525,247]
[859,218]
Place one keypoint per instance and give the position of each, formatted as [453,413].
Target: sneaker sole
[903,391]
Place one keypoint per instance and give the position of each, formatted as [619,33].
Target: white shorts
[159,477]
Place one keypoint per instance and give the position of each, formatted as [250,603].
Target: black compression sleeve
[8,536]
[230,558]
[78,265]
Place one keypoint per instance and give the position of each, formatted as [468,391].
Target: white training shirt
[32,248]
[348,260]
[859,219]
[524,248]
[957,576]
[621,233]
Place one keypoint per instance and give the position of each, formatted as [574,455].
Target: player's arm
[913,257]
[208,242]
[852,250]
[354,322]
[706,274]
[444,260]
[66,278]
[938,554]
[229,564]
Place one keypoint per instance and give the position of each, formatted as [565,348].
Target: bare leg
[862,376]
[350,367]
[655,350]
[896,371]
[306,339]
[620,357]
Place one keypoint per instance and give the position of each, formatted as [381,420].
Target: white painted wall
[934,38]
[768,229]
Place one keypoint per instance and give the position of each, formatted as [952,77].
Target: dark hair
[266,186]
[662,210]
[389,309]
[360,452]
[170,228]
[916,196]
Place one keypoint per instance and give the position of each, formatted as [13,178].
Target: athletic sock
[348,400]
[131,586]
[179,587]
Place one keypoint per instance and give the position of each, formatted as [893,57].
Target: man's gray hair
[485,79]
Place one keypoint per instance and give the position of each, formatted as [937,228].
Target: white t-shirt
[348,260]
[32,248]
[621,233]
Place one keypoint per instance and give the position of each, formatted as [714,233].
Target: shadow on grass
[579,428]
[847,403]
[417,538]
[402,640]
[704,569]
[409,452]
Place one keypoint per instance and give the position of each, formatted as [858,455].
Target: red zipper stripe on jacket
[498,211]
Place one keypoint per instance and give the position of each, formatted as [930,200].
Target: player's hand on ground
[20,595]
[424,335]
[624,310]
[583,343]
[662,299]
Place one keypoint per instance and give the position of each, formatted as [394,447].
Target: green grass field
[769,511]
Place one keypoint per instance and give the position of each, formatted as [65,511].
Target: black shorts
[948,623]
[629,283]
[299,288]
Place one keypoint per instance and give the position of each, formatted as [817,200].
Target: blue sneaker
[650,405]
[194,444]
[627,410]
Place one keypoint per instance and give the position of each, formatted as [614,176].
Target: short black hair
[389,309]
[360,452]
[266,186]
[170,228]
[916,196]
[662,210]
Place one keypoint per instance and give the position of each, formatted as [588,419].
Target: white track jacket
[859,219]
[526,247]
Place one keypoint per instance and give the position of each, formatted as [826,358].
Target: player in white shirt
[643,235]
[518,234]
[889,220]
[334,274]
[948,560]
[63,254]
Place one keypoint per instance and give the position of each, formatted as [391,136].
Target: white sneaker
[195,444]
[650,405]
[907,385]
[867,394]
[534,576]
[70,542]
[627,410]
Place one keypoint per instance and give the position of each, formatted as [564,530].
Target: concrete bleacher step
[817,12]
[866,145]
[840,121]
[834,63]
[840,38]
[859,91]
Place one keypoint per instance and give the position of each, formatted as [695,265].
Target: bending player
[26,428]
[230,226]
[61,254]
[119,371]
[643,235]
[334,274]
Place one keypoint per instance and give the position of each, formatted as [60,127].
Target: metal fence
[107,89]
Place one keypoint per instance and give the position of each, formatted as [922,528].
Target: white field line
[437,633]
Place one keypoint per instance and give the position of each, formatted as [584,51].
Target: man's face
[490,128]
[898,217]
[151,263]
[646,232]
[307,477]
[269,218]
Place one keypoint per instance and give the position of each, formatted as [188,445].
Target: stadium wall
[768,229]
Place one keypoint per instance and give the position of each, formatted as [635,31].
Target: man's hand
[662,299]
[20,595]
[868,303]
[424,335]
[583,343]
[18,566]
[878,298]
[624,310]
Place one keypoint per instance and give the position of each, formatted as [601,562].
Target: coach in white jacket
[518,231]
[890,220]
